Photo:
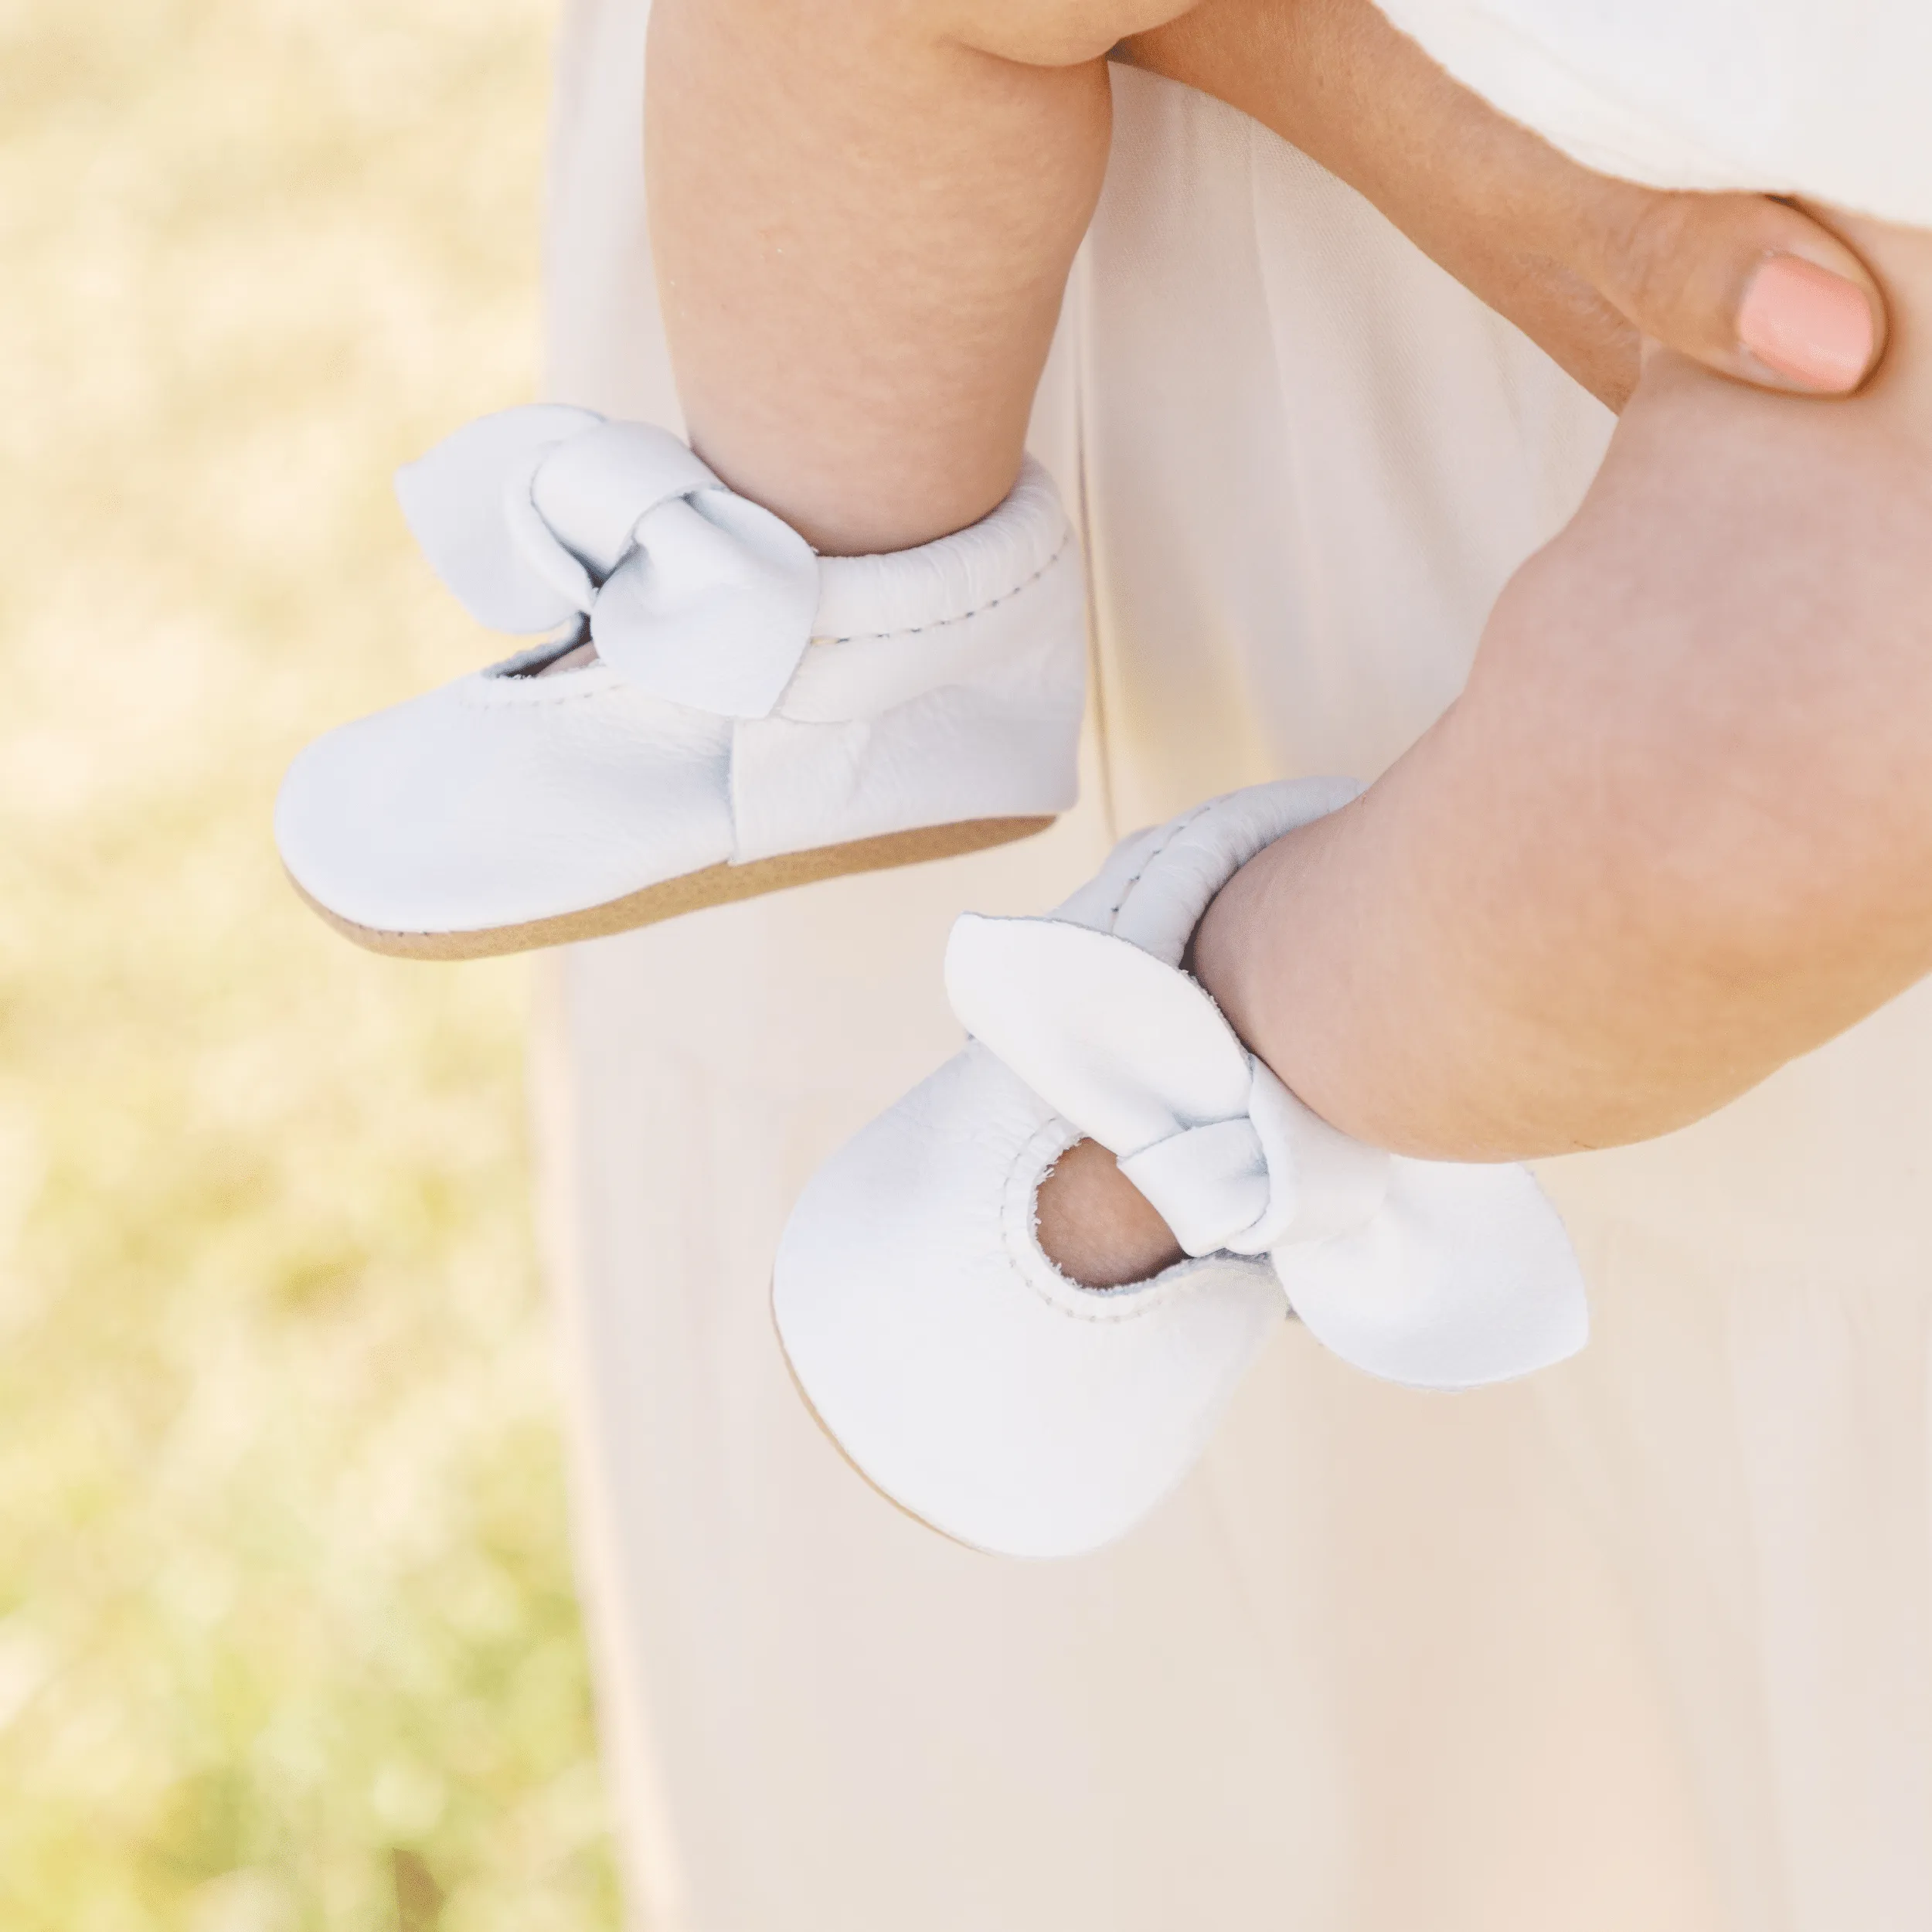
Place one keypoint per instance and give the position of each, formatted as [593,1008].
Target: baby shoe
[754,715]
[1017,1411]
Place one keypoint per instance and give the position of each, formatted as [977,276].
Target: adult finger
[1751,286]
[1589,266]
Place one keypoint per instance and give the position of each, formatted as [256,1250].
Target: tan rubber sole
[715,885]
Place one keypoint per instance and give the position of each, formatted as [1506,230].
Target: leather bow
[1138,1056]
[1436,1273]
[691,593]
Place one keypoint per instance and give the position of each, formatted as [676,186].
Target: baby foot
[725,713]
[968,1377]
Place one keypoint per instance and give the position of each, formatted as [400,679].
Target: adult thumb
[1752,287]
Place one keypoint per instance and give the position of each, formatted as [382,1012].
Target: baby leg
[863,213]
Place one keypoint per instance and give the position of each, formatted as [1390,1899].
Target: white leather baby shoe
[754,716]
[978,1387]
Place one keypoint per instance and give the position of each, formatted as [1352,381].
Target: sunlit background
[287,1637]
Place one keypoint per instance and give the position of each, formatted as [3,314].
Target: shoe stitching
[1174,831]
[1110,1307]
[1138,1300]
[534,696]
[979,609]
[534,691]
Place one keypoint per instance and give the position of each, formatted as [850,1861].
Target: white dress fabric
[1819,98]
[1645,1641]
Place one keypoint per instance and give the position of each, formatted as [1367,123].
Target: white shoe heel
[977,1386]
[756,716]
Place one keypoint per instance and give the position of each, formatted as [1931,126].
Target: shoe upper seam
[531,691]
[1173,831]
[960,617]
[556,690]
[1108,1307]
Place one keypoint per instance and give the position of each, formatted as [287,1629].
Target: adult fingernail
[1811,326]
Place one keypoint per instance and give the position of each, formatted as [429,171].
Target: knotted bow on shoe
[1432,1273]
[1139,1058]
[537,515]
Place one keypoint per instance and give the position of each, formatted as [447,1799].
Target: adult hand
[1591,268]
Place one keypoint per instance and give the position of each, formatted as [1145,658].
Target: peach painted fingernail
[1810,325]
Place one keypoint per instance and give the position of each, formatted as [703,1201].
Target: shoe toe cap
[963,1375]
[469,807]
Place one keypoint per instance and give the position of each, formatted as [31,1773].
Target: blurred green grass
[287,1638]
